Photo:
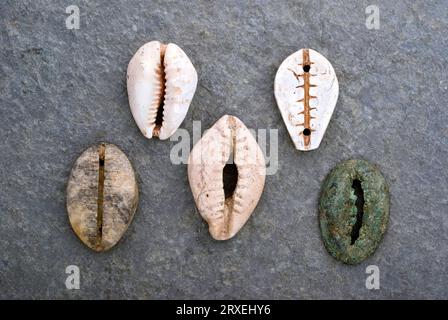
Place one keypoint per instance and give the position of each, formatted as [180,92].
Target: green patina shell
[353,210]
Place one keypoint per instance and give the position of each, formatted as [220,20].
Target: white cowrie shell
[228,138]
[160,78]
[306,90]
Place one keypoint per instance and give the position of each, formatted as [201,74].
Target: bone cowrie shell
[306,90]
[161,82]
[228,139]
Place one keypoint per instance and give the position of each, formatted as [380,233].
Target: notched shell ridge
[228,137]
[306,90]
[160,75]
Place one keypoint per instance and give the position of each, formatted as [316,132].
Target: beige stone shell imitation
[161,82]
[102,196]
[306,90]
[228,138]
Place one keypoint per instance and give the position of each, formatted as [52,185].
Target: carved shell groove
[158,76]
[119,196]
[227,138]
[306,89]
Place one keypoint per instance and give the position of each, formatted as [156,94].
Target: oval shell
[228,137]
[352,230]
[160,75]
[102,196]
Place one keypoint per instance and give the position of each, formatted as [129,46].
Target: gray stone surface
[64,90]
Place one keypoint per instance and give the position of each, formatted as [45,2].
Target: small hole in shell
[306,132]
[229,179]
[306,68]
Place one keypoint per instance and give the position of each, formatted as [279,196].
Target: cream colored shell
[306,99]
[228,137]
[160,74]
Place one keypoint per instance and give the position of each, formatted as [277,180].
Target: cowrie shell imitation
[306,90]
[161,82]
[102,196]
[354,210]
[227,139]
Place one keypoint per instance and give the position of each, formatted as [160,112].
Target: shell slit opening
[359,203]
[229,179]
[160,108]
[100,198]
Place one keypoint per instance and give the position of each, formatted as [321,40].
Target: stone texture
[353,210]
[64,90]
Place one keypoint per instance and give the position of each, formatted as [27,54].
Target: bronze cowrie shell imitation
[225,209]
[353,210]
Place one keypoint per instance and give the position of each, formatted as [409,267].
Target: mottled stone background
[64,90]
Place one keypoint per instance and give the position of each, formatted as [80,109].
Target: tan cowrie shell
[161,82]
[306,90]
[228,139]
[102,196]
